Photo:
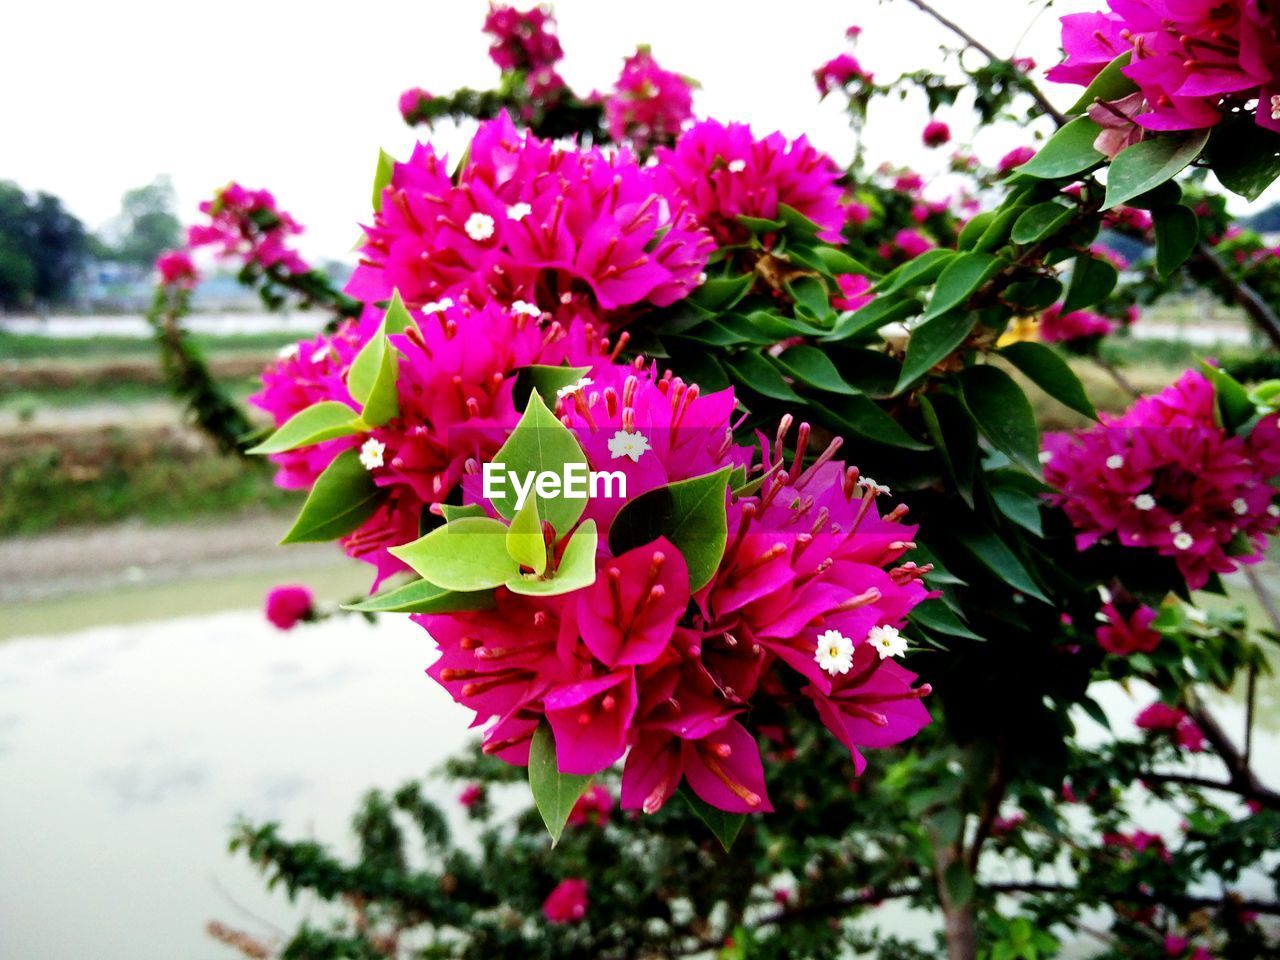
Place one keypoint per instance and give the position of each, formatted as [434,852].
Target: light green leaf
[382,176]
[451,511]
[322,421]
[422,596]
[554,793]
[525,542]
[1111,84]
[371,380]
[397,319]
[465,555]
[960,280]
[689,513]
[1068,152]
[577,568]
[541,443]
[343,497]
[1146,165]
[931,341]
[1003,414]
[1048,371]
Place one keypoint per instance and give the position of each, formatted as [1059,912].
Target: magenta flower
[177,270]
[838,72]
[1125,635]
[1165,476]
[592,808]
[853,292]
[411,101]
[522,40]
[248,225]
[649,105]
[1161,717]
[1073,327]
[567,903]
[1015,158]
[936,133]
[287,606]
[572,231]
[471,795]
[724,172]
[911,243]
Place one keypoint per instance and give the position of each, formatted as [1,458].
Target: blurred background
[144,700]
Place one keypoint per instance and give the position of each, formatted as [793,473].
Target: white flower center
[1045,456]
[437,306]
[287,352]
[866,483]
[479,226]
[527,308]
[1115,462]
[1273,510]
[1275,107]
[1240,505]
[1144,501]
[371,453]
[887,641]
[518,211]
[834,653]
[320,355]
[1184,541]
[737,166]
[581,384]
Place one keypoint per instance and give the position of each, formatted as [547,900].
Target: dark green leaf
[1235,409]
[726,826]
[937,616]
[1110,84]
[810,365]
[960,280]
[931,341]
[916,272]
[1003,414]
[881,312]
[863,417]
[1021,507]
[1092,280]
[994,554]
[754,372]
[547,380]
[1048,371]
[1042,220]
[1146,165]
[1244,156]
[1177,233]
[343,497]
[1068,152]
[974,229]
[721,294]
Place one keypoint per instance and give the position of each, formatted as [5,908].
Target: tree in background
[146,225]
[43,249]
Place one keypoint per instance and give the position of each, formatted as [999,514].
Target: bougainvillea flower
[1076,326]
[249,226]
[936,133]
[176,269]
[592,808]
[1015,158]
[628,615]
[649,105]
[838,73]
[567,903]
[287,606]
[522,40]
[1164,718]
[411,101]
[1125,635]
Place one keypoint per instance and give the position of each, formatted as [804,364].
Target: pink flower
[857,213]
[1175,946]
[911,243]
[649,105]
[936,133]
[1079,325]
[1015,158]
[522,40]
[567,903]
[1119,128]
[571,230]
[1138,842]
[908,182]
[177,270]
[411,101]
[1162,717]
[471,795]
[724,172]
[592,808]
[838,73]
[853,292]
[1023,64]
[287,606]
[1165,476]
[1002,826]
[247,225]
[1121,635]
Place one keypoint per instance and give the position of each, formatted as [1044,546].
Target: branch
[1025,82]
[1271,907]
[1265,797]
[1241,779]
[1259,311]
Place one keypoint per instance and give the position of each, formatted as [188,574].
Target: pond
[127,751]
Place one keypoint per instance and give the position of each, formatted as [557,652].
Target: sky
[298,97]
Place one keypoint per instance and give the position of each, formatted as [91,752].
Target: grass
[31,400]
[30,346]
[159,477]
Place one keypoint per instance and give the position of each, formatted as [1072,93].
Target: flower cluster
[1165,475]
[522,40]
[249,226]
[1192,60]
[842,70]
[725,172]
[649,105]
[176,269]
[647,663]
[1162,718]
[1124,635]
[569,230]
[1074,327]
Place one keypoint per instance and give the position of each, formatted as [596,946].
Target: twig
[1271,907]
[1259,311]
[1121,380]
[1263,796]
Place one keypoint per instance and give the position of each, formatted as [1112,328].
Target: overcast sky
[298,97]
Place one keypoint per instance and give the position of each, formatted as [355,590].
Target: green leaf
[994,554]
[1244,156]
[1092,280]
[1068,152]
[1042,220]
[422,596]
[319,422]
[546,380]
[342,498]
[1021,507]
[915,272]
[937,616]
[796,221]
[1047,370]
[554,793]
[726,826]
[540,443]
[1034,294]
[811,294]
[451,511]
[723,293]
[931,341]
[863,417]
[951,429]
[525,543]
[397,318]
[959,883]
[689,513]
[1177,234]
[838,262]
[759,225]
[382,176]
[1235,409]
[577,568]
[974,229]
[465,555]
[881,312]
[372,379]
[997,231]
[1110,84]
[960,280]
[1146,165]
[754,372]
[810,365]
[1003,414]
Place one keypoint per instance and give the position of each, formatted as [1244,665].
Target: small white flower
[572,388]
[479,226]
[866,483]
[835,652]
[288,351]
[1184,541]
[1275,107]
[518,211]
[737,166]
[887,641]
[1115,462]
[320,355]
[527,308]
[1045,456]
[437,306]
[1196,615]
[623,444]
[1175,527]
[702,277]
[1240,505]
[371,453]
[1273,511]
[1144,501]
